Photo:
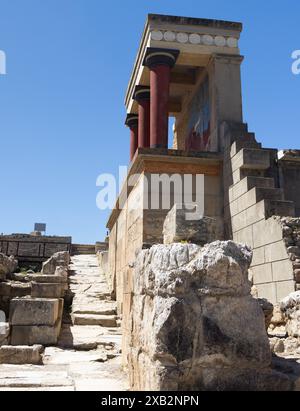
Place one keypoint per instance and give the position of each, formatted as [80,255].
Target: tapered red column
[132,121]
[160,62]
[142,96]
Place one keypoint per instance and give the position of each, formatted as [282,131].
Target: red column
[160,90]
[132,123]
[142,96]
[160,62]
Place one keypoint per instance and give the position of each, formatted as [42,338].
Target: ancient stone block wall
[139,225]
[125,238]
[254,203]
[289,176]
[28,248]
[187,323]
[33,302]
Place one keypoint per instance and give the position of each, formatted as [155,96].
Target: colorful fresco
[199,120]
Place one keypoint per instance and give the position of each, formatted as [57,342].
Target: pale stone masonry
[254,202]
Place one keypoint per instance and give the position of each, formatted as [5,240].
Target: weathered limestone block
[194,324]
[19,289]
[7,266]
[44,290]
[40,322]
[58,277]
[103,260]
[178,227]
[62,272]
[290,306]
[21,355]
[35,334]
[4,333]
[61,259]
[34,311]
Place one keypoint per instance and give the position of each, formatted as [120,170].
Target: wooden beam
[183,78]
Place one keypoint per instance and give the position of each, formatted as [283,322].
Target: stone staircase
[92,304]
[87,356]
[252,178]
[254,206]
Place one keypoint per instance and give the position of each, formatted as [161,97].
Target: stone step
[247,184]
[240,144]
[279,208]
[34,376]
[21,354]
[88,337]
[50,290]
[91,319]
[241,173]
[263,193]
[93,310]
[251,158]
[254,196]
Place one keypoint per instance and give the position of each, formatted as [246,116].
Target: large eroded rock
[290,306]
[194,324]
[8,265]
[61,259]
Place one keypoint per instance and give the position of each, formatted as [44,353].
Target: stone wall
[34,302]
[126,237]
[136,224]
[254,203]
[102,257]
[187,322]
[28,248]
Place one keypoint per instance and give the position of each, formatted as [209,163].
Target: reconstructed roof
[196,21]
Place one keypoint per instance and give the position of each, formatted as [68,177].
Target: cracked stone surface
[88,357]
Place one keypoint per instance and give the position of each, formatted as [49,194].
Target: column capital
[159,56]
[141,93]
[132,120]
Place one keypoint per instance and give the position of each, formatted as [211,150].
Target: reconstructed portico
[186,62]
[189,69]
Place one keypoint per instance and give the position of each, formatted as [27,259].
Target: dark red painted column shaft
[132,123]
[159,113]
[133,140]
[144,123]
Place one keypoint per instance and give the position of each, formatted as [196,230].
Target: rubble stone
[7,266]
[61,259]
[194,324]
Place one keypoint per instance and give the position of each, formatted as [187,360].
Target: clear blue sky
[62,112]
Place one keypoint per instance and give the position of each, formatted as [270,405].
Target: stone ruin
[198,299]
[33,304]
[194,324]
[189,69]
